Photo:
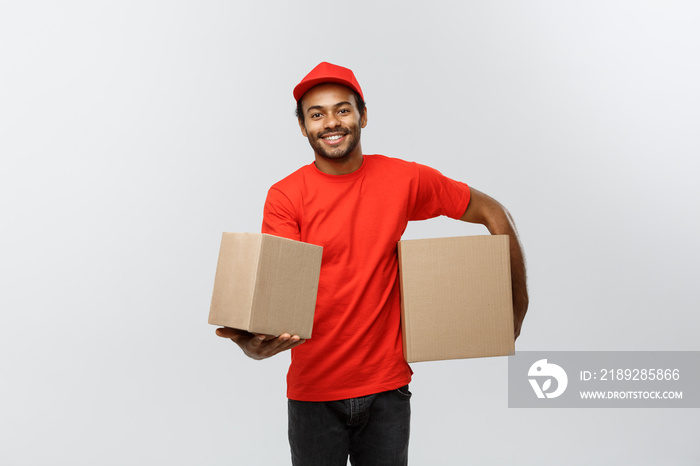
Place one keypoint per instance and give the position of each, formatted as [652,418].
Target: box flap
[234,282]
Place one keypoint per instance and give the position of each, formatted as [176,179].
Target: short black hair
[358,100]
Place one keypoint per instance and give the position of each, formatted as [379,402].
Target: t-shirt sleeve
[279,217]
[438,195]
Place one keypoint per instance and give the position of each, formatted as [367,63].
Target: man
[348,384]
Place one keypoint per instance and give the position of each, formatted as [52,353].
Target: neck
[341,166]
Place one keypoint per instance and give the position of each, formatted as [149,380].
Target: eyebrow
[321,107]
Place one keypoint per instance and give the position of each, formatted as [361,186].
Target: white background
[132,133]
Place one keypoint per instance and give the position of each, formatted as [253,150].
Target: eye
[344,110]
[315,115]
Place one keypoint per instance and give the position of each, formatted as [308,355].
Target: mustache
[331,131]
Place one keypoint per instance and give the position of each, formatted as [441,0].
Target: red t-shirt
[358,218]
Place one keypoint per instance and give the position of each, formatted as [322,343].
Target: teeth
[333,138]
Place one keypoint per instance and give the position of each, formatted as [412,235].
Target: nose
[331,121]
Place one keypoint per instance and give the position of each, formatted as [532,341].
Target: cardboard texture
[456,298]
[266,284]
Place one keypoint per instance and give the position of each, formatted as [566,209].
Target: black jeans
[372,430]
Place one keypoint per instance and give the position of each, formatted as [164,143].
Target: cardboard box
[266,284]
[456,298]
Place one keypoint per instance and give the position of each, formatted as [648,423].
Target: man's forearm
[518,279]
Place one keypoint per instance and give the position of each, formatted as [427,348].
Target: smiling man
[332,126]
[348,384]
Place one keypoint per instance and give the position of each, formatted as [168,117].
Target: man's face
[332,122]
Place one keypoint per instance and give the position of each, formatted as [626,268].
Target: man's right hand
[258,346]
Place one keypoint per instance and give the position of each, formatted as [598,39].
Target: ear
[302,127]
[363,118]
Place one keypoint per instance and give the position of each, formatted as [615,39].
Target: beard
[352,136]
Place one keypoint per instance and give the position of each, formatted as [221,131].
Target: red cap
[327,73]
